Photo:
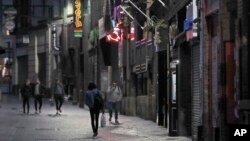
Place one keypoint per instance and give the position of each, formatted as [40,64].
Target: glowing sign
[78,13]
[132,34]
[114,36]
[78,19]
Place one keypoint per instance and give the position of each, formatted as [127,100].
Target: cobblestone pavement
[72,125]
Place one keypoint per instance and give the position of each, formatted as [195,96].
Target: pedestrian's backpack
[103,120]
[98,102]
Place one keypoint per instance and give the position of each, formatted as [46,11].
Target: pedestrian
[26,92]
[90,99]
[39,91]
[114,96]
[58,95]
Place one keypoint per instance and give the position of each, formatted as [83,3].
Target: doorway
[173,102]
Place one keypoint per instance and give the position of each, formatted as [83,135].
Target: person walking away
[38,95]
[26,92]
[114,96]
[90,100]
[58,95]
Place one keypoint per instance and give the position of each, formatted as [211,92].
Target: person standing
[114,96]
[38,95]
[26,92]
[58,95]
[90,101]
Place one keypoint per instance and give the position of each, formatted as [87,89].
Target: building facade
[185,61]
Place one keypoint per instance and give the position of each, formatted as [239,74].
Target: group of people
[38,91]
[114,96]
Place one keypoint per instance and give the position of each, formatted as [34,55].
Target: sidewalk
[72,125]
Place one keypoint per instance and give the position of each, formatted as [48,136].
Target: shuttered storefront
[196,97]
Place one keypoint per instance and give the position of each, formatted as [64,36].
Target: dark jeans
[115,106]
[59,101]
[38,99]
[94,114]
[26,101]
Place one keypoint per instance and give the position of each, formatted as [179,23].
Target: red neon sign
[132,34]
[114,36]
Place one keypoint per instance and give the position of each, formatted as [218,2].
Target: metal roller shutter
[195,52]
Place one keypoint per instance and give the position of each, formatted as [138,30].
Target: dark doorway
[22,69]
[162,88]
[42,67]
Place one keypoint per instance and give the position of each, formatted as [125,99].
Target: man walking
[58,95]
[38,95]
[26,92]
[114,96]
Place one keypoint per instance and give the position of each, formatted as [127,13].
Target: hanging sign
[54,38]
[78,19]
[115,36]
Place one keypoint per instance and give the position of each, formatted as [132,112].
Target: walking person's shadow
[56,115]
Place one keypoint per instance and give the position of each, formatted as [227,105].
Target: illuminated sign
[132,34]
[114,36]
[78,19]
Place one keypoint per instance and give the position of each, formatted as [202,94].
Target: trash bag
[103,120]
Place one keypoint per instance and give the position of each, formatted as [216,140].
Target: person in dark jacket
[58,95]
[39,90]
[26,92]
[90,95]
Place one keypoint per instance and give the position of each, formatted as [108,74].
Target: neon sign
[132,34]
[78,12]
[116,35]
